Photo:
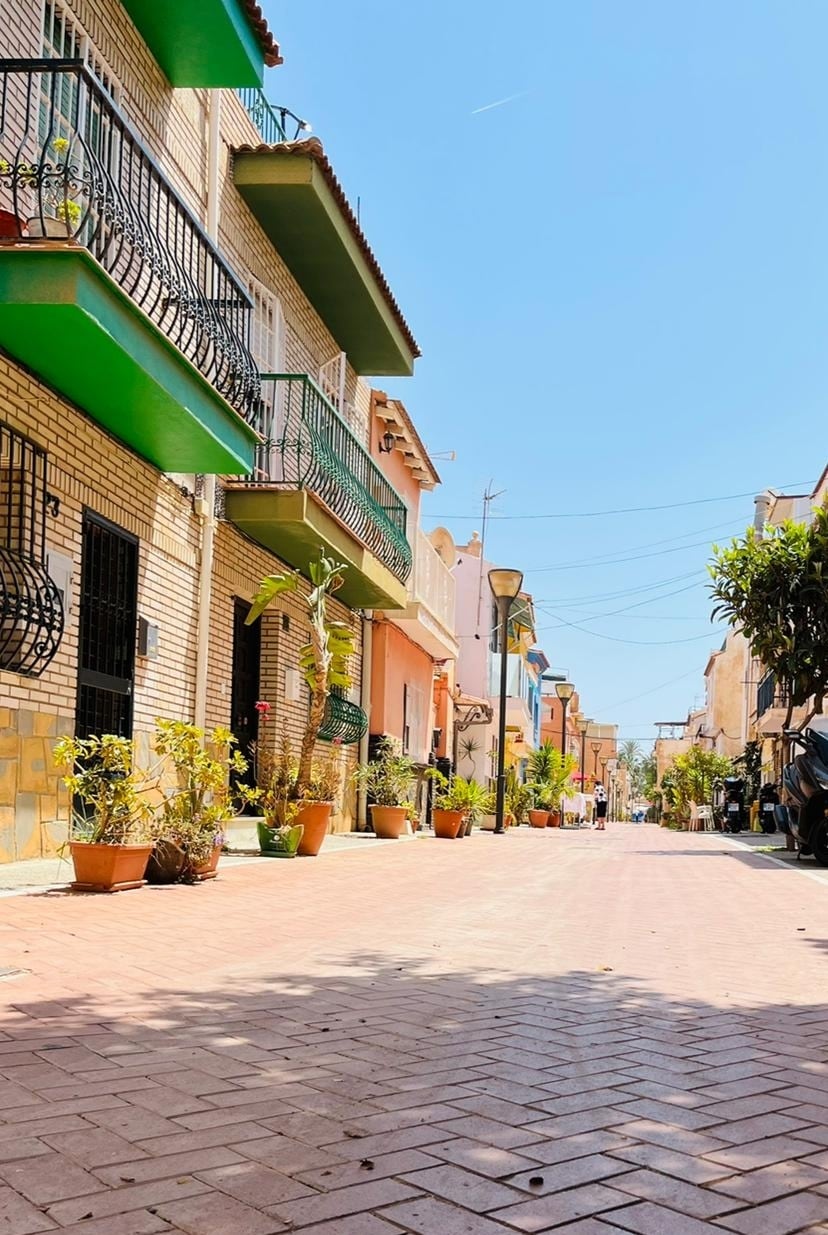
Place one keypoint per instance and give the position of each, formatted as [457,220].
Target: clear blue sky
[618,281]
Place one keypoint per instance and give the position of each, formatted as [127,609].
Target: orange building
[412,650]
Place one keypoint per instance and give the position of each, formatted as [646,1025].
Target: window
[268,336]
[413,736]
[31,611]
[66,111]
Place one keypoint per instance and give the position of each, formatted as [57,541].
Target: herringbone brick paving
[579,1032]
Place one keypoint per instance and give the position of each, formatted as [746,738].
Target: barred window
[31,609]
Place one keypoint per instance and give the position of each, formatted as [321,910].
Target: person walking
[600,797]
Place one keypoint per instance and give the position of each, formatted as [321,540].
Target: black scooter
[734,804]
[768,802]
[805,786]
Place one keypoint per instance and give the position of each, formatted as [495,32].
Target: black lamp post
[596,748]
[505,585]
[583,728]
[564,691]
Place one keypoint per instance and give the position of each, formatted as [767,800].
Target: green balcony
[315,485]
[292,191]
[206,43]
[110,291]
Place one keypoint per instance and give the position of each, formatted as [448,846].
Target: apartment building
[188,312]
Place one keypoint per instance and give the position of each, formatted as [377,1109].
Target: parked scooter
[734,803]
[768,801]
[805,786]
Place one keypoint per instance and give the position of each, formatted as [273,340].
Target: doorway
[245,688]
[107,629]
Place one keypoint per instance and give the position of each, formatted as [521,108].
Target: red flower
[336,741]
[263,707]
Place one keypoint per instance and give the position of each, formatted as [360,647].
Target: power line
[652,691]
[636,557]
[630,510]
[615,639]
[605,558]
[566,601]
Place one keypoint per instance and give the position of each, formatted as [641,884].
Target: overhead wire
[606,558]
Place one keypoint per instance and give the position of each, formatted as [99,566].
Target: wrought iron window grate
[31,608]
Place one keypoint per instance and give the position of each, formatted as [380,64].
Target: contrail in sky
[500,102]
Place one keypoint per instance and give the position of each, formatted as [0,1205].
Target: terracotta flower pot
[207,870]
[315,818]
[447,823]
[108,868]
[388,821]
[10,225]
[554,819]
[538,818]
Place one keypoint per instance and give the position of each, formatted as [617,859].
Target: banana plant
[323,660]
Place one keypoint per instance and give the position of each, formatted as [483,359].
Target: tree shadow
[381,1067]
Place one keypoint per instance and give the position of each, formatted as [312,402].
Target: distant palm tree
[630,752]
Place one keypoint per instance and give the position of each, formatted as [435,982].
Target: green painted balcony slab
[293,524]
[63,317]
[206,43]
[296,198]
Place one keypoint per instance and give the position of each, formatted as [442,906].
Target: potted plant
[473,798]
[448,809]
[188,828]
[323,661]
[551,774]
[519,798]
[279,833]
[388,779]
[59,215]
[109,842]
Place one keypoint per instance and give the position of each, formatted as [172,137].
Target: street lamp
[505,585]
[583,728]
[564,691]
[595,747]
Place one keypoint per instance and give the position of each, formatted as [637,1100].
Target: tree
[691,776]
[774,586]
[630,753]
[323,660]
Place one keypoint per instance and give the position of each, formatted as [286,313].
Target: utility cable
[605,558]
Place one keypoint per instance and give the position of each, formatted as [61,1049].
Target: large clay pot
[315,818]
[53,229]
[554,819]
[208,869]
[108,868]
[388,821]
[447,823]
[538,818]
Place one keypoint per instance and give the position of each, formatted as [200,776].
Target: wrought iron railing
[344,723]
[307,445]
[72,169]
[274,124]
[770,695]
[31,608]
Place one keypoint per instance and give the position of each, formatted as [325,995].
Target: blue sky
[617,279]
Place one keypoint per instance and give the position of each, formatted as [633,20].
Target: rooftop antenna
[488,498]
[449,455]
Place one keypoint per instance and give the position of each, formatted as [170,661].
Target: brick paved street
[542,1031]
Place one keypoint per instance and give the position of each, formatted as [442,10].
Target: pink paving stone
[772,1181]
[541,1180]
[125,1199]
[543,1212]
[215,1214]
[685,1197]
[255,1184]
[360,1224]
[138,1222]
[487,1160]
[780,1217]
[48,1177]
[147,1169]
[463,1188]
[343,1175]
[762,1153]
[20,1217]
[97,1147]
[758,1128]
[429,1216]
[650,1219]
[327,1205]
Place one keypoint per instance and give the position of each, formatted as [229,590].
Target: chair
[706,819]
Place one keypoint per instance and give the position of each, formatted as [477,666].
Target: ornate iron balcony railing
[307,445]
[770,695]
[72,169]
[274,124]
[344,722]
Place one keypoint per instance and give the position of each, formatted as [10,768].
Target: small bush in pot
[448,805]
[475,800]
[323,661]
[110,839]
[188,829]
[388,780]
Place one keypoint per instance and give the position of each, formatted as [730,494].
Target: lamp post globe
[505,585]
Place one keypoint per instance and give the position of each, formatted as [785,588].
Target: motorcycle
[805,786]
[768,802]
[734,803]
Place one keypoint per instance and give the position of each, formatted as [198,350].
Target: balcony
[292,191]
[147,326]
[206,43]
[428,619]
[315,484]
[771,706]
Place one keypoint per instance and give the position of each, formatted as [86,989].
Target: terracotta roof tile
[269,46]
[312,147]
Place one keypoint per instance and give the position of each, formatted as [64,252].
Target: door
[108,628]
[247,653]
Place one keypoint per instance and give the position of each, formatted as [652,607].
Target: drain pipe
[365,704]
[206,505]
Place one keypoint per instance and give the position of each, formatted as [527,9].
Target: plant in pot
[550,774]
[110,839]
[388,780]
[519,798]
[279,833]
[188,828]
[488,816]
[475,799]
[448,805]
[323,661]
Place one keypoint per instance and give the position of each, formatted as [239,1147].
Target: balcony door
[268,346]
[245,685]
